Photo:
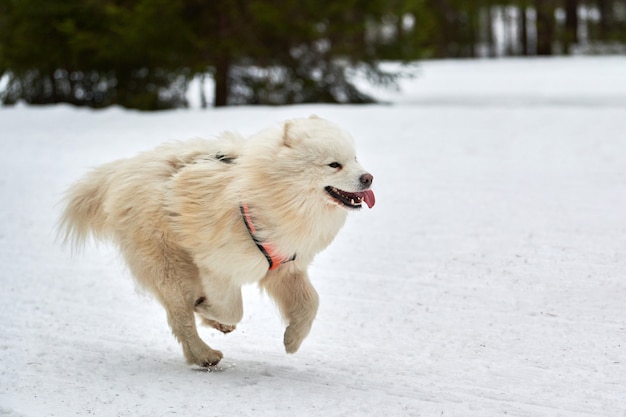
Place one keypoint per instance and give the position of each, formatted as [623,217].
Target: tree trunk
[571,24]
[524,30]
[545,26]
[473,31]
[606,19]
[490,39]
[222,85]
[223,56]
[203,102]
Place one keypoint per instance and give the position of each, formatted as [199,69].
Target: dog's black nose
[366,180]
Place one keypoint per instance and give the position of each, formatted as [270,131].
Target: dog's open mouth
[352,200]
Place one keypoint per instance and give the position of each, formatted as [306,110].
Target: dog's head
[320,153]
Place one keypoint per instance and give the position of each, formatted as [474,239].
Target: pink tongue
[368,198]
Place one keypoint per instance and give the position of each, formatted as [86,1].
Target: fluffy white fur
[175,214]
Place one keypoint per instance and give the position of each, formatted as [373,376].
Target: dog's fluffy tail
[84,213]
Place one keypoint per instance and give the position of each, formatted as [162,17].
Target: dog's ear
[314,116]
[295,131]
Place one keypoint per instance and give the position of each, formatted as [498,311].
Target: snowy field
[488,280]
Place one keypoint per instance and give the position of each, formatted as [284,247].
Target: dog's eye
[335,165]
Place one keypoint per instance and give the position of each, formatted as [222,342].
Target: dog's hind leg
[297,300]
[181,318]
[174,280]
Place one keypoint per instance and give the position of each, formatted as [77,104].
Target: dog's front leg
[297,300]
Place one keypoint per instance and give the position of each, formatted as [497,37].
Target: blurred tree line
[143,53]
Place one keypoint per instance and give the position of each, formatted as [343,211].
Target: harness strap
[274,259]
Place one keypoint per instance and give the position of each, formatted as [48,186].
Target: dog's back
[103,203]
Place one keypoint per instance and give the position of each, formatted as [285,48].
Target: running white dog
[197,220]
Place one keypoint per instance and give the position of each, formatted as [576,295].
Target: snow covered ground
[489,279]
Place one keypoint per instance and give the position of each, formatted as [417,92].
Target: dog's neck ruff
[274,259]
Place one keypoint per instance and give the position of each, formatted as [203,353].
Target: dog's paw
[293,338]
[208,358]
[224,328]
[202,355]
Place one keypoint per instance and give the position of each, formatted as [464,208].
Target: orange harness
[274,259]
